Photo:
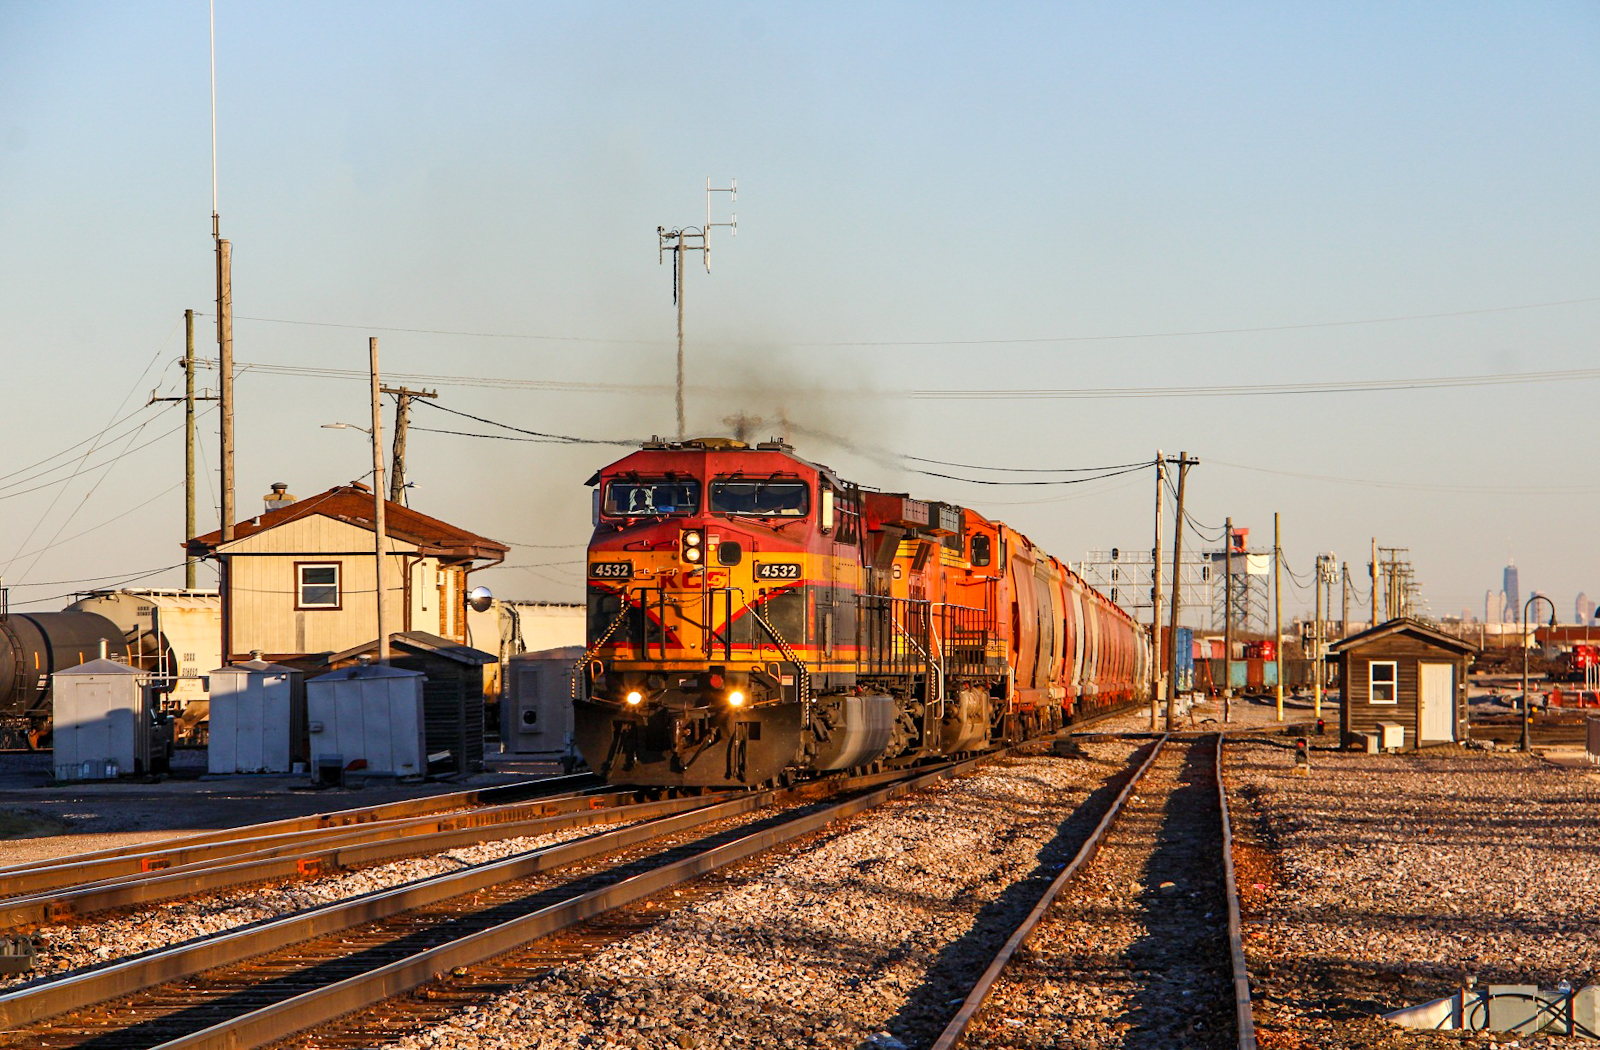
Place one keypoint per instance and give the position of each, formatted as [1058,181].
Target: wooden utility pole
[1184,463]
[1344,599]
[1277,606]
[380,530]
[188,445]
[1373,565]
[1227,617]
[1316,647]
[1157,686]
[188,399]
[402,422]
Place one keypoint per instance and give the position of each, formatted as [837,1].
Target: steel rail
[267,1025]
[48,999]
[1241,975]
[293,861]
[81,873]
[346,817]
[41,1001]
[951,1036]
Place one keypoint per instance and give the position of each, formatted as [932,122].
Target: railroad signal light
[1302,755]
[1322,726]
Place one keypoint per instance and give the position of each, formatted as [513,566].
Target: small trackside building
[300,579]
[1407,673]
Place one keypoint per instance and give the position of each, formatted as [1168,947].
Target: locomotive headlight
[692,538]
[691,546]
[692,554]
[736,699]
[635,698]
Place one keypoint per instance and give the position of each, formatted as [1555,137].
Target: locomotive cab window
[316,586]
[651,497]
[982,550]
[764,498]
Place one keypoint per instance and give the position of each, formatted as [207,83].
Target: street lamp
[1526,700]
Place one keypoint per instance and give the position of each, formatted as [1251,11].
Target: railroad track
[1151,921]
[254,986]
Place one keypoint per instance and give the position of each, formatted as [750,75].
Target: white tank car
[173,634]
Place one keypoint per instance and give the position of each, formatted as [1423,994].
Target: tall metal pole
[225,371]
[1316,648]
[1177,579]
[1527,741]
[1157,650]
[189,561]
[1277,606]
[678,262]
[1227,616]
[380,530]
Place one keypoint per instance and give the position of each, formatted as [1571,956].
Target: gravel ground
[1134,953]
[68,947]
[1382,881]
[859,937]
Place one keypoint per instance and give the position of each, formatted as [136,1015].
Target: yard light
[1527,700]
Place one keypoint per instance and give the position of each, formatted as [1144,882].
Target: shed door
[1438,702]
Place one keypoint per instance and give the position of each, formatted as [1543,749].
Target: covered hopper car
[753,617]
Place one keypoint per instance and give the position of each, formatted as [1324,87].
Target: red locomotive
[753,616]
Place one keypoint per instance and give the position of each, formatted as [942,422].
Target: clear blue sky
[907,172]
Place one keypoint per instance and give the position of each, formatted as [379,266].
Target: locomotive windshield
[763,498]
[649,497]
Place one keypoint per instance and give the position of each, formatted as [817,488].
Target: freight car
[33,646]
[752,616]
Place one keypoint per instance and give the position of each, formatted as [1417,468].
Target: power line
[1058,481]
[1174,334]
[1023,470]
[564,438]
[1417,485]
[1263,389]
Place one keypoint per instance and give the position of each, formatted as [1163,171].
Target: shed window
[1383,683]
[317,586]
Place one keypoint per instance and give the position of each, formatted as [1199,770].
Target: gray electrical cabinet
[102,721]
[371,717]
[536,706]
[258,718]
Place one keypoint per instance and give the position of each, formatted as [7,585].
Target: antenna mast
[689,239]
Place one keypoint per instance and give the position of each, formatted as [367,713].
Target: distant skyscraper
[1584,608]
[1513,596]
[1493,607]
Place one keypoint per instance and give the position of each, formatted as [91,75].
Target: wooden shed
[452,694]
[1406,673]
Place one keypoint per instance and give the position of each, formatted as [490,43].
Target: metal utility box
[371,714]
[102,721]
[536,710]
[1391,736]
[258,718]
[1591,731]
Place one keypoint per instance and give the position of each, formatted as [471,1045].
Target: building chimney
[279,496]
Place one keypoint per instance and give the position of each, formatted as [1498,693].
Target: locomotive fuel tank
[33,646]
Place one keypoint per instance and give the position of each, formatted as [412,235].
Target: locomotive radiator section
[33,646]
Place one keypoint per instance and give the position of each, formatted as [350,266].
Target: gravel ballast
[1382,881]
[860,936]
[72,946]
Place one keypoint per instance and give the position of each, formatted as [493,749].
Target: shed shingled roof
[353,504]
[1403,626]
